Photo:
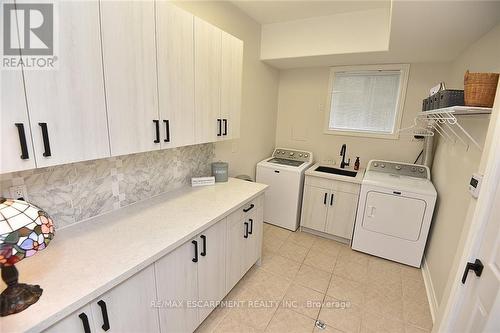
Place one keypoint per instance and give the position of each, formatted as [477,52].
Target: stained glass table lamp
[24,230]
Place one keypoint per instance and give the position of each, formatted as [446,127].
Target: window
[366,100]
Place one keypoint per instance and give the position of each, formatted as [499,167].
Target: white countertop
[357,180]
[86,260]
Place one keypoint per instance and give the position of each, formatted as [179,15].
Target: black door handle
[45,137]
[331,200]
[219,126]
[104,311]
[195,243]
[85,322]
[476,266]
[246,230]
[22,140]
[251,226]
[324,199]
[249,208]
[157,129]
[167,131]
[204,246]
[225,126]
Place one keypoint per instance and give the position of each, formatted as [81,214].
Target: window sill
[391,136]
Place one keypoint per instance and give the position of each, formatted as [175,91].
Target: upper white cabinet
[16,150]
[175,53]
[207,72]
[66,106]
[129,53]
[231,74]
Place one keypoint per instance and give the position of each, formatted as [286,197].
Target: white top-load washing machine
[395,208]
[284,173]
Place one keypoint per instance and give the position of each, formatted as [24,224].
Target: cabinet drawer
[330,184]
[240,213]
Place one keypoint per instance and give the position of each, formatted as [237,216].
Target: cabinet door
[129,306]
[70,99]
[176,284]
[75,322]
[314,207]
[207,72]
[236,248]
[231,75]
[129,53]
[14,116]
[341,214]
[254,243]
[175,52]
[212,266]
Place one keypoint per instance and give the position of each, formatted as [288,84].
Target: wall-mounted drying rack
[444,122]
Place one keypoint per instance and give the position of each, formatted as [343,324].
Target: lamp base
[17,296]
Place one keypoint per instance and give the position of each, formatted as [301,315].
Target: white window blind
[365,101]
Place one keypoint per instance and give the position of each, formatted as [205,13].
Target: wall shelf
[459,111]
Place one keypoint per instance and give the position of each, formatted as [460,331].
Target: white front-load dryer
[395,210]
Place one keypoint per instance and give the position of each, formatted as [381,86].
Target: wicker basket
[480,89]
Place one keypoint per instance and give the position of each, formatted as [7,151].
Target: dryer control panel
[398,168]
[291,154]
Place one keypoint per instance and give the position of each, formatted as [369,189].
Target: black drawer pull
[167,131]
[105,326]
[225,127]
[219,127]
[249,208]
[251,226]
[246,230]
[45,137]
[22,140]
[195,243]
[204,246]
[85,322]
[324,199]
[157,129]
[331,200]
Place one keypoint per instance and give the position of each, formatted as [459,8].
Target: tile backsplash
[75,192]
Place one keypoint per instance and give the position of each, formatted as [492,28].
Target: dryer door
[394,215]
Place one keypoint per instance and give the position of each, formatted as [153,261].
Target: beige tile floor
[304,278]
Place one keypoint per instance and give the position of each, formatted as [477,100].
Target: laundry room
[250,166]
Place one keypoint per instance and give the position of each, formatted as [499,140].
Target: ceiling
[266,12]
[421,31]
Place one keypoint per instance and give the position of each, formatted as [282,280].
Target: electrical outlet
[19,191]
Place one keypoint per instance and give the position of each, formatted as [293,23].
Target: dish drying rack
[444,122]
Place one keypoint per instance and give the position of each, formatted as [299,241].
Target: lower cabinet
[330,206]
[125,308]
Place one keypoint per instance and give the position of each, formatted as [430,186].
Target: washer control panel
[397,168]
[295,155]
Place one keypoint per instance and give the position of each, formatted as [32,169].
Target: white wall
[260,88]
[301,108]
[452,169]
[354,32]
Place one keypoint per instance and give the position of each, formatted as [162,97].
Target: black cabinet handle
[219,126]
[246,230]
[225,126]
[324,199]
[249,208]
[45,137]
[331,200]
[157,128]
[167,131]
[195,243]
[85,322]
[251,226]
[22,140]
[105,326]
[476,266]
[204,246]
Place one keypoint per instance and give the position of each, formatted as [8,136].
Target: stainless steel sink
[336,171]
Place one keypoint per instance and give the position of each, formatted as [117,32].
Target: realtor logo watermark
[28,36]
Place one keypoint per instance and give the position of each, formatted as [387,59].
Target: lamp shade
[24,230]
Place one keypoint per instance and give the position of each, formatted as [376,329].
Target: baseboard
[429,289]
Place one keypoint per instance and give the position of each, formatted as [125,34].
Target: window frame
[403,85]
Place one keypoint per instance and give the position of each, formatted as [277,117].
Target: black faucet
[343,164]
